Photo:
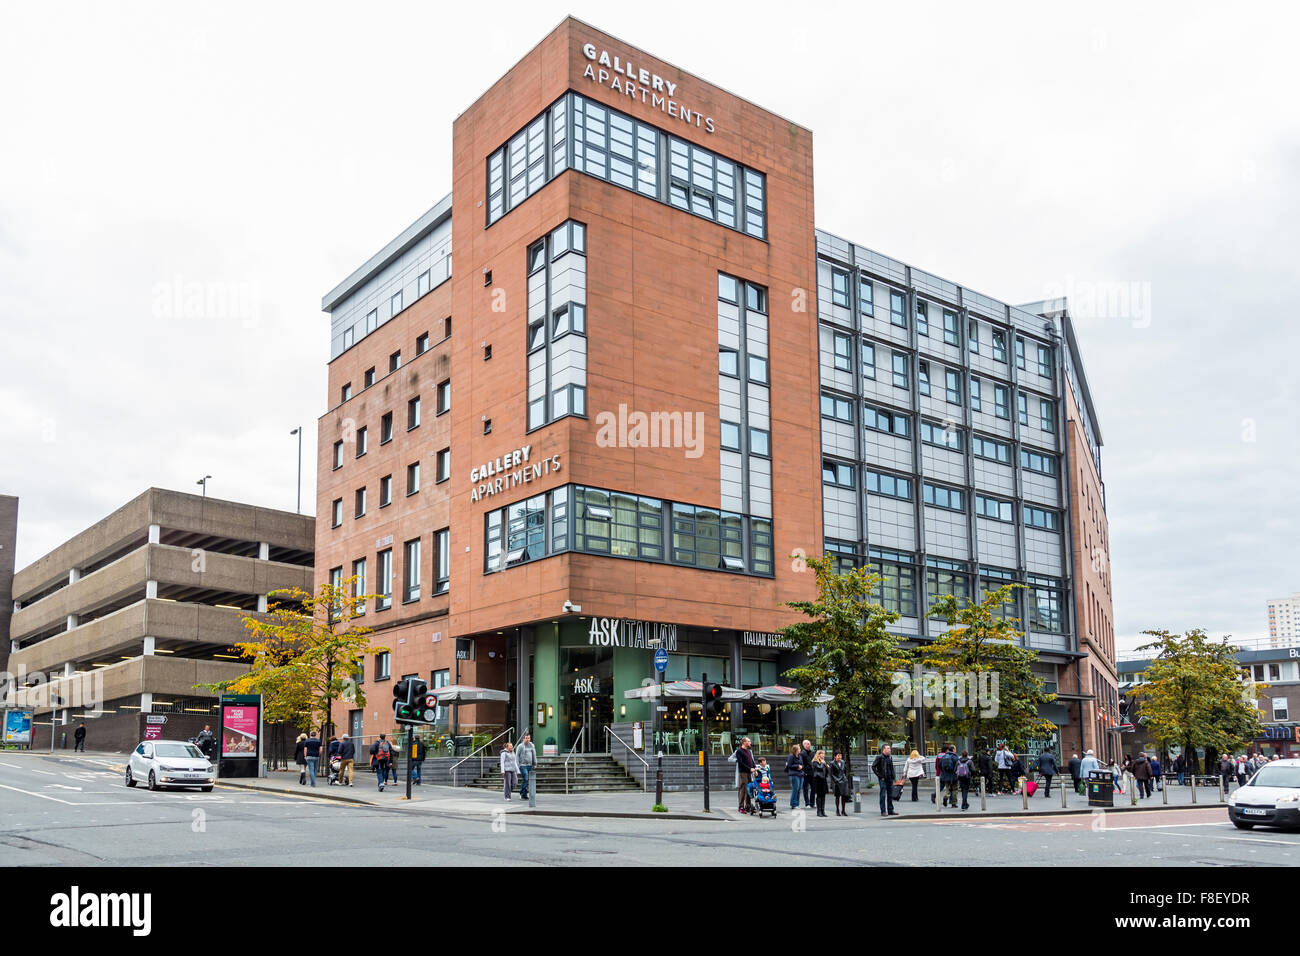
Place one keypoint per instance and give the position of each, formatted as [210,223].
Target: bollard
[1164,794]
[984,797]
[1063,804]
[857,794]
[1193,788]
[1132,789]
[1220,779]
[1024,794]
[938,802]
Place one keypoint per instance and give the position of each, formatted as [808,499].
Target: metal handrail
[645,771]
[573,749]
[510,731]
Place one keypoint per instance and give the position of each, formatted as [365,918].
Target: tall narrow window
[442,561]
[411,579]
[384,582]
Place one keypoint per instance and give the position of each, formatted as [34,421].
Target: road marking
[46,772]
[63,786]
[13,765]
[43,796]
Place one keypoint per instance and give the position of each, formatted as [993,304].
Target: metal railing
[645,767]
[573,749]
[508,732]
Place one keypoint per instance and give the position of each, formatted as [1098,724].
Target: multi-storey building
[1284,621]
[121,621]
[602,429]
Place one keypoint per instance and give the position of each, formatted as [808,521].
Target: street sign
[661,660]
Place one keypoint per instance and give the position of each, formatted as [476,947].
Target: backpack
[383,753]
[963,769]
[950,763]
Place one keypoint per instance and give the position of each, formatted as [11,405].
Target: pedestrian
[841,785]
[1117,774]
[806,755]
[1017,771]
[1141,770]
[509,768]
[1002,761]
[744,759]
[883,768]
[1157,772]
[419,750]
[964,775]
[392,765]
[333,748]
[1047,767]
[946,768]
[79,738]
[914,770]
[821,780]
[381,758]
[311,751]
[300,758]
[986,768]
[1073,767]
[347,758]
[794,770]
[205,741]
[1227,767]
[1180,769]
[526,757]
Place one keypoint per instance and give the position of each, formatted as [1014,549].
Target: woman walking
[965,772]
[794,770]
[300,758]
[841,786]
[820,771]
[914,770]
[509,768]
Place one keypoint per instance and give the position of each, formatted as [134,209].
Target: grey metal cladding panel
[935,286]
[878,264]
[943,464]
[1041,489]
[994,478]
[991,424]
[440,212]
[1053,642]
[983,305]
[890,451]
[891,523]
[834,246]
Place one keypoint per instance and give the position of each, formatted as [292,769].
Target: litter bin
[1101,788]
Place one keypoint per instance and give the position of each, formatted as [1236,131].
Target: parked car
[1270,798]
[169,763]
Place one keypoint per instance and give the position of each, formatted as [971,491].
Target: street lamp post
[204,482]
[298,431]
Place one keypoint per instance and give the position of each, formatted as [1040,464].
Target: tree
[852,656]
[304,654]
[986,673]
[1192,694]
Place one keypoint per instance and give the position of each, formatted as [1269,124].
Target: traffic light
[412,702]
[713,704]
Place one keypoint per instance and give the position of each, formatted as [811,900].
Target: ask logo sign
[83,910]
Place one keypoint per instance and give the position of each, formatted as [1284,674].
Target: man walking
[1088,764]
[419,750]
[806,757]
[986,768]
[744,774]
[347,758]
[311,750]
[381,758]
[883,768]
[1047,767]
[79,738]
[948,776]
[1142,774]
[526,757]
[1074,771]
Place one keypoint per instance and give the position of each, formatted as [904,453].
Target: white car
[1270,798]
[169,763]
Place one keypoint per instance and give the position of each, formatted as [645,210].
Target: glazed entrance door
[586,695]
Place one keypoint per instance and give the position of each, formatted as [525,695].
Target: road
[71,809]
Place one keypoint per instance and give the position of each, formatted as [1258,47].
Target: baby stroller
[336,764]
[762,795]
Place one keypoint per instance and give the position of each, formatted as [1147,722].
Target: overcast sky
[1142,159]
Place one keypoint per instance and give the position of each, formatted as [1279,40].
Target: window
[844,556]
[1281,708]
[370,376]
[941,497]
[384,584]
[999,345]
[441,561]
[900,370]
[897,309]
[840,287]
[880,420]
[728,362]
[843,352]
[487,426]
[422,344]
[363,444]
[413,414]
[557,324]
[991,449]
[1046,415]
[946,577]
[922,319]
[975,405]
[950,327]
[760,546]
[987,507]
[412,478]
[891,486]
[952,386]
[757,367]
[1037,461]
[923,377]
[1044,361]
[386,428]
[338,455]
[372,321]
[336,513]
[973,336]
[394,361]
[1020,352]
[730,436]
[361,502]
[898,584]
[383,665]
[359,585]
[1044,596]
[443,471]
[1001,402]
[835,473]
[346,392]
[868,360]
[866,296]
[991,579]
[1042,519]
[934,434]
[1022,408]
[422,284]
[411,564]
[385,491]
[760,442]
[839,409]
[396,302]
[446,327]
[444,396]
